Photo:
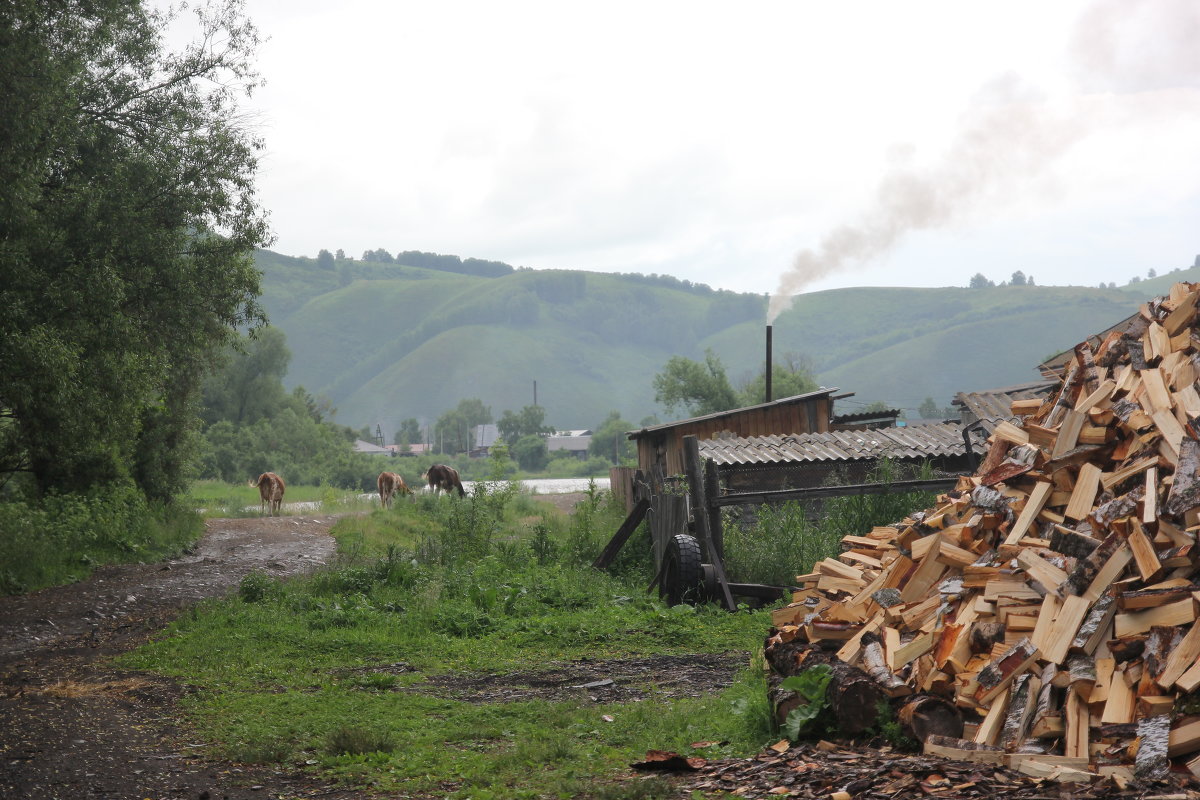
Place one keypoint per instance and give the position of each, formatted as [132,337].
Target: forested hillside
[388,341]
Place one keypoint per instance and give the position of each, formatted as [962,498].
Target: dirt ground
[72,726]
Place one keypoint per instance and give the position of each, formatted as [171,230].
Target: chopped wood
[962,750]
[1070,617]
[1054,597]
[1144,556]
[1084,496]
[1131,623]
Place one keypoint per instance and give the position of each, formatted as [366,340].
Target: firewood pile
[1042,615]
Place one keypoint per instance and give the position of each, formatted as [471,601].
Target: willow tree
[128,220]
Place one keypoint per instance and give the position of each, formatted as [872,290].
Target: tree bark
[853,696]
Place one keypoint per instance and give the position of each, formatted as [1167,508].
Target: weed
[266,751]
[653,788]
[544,548]
[888,727]
[810,687]
[352,740]
[257,586]
[377,681]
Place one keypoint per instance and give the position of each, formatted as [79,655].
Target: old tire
[683,572]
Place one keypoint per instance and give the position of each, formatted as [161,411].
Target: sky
[769,147]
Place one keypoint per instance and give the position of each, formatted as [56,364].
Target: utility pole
[535,393]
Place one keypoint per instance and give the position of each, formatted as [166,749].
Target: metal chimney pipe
[768,373]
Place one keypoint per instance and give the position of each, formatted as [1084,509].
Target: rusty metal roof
[783,401]
[906,443]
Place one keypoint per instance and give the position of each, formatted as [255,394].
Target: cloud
[1012,134]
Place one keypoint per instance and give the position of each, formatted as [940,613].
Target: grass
[305,671]
[219,499]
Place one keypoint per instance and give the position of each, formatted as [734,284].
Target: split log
[923,715]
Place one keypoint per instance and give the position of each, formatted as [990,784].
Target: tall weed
[775,543]
[61,538]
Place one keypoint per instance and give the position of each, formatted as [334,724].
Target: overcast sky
[837,144]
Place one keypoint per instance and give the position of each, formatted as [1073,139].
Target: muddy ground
[72,726]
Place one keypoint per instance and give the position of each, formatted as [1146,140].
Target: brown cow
[390,484]
[444,479]
[270,492]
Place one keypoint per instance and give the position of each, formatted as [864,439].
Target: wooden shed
[662,445]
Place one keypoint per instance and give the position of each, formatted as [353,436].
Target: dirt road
[72,727]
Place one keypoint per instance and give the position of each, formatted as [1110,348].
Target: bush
[63,537]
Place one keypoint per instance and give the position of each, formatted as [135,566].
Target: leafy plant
[889,729]
[810,686]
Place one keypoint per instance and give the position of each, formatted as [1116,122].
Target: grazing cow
[270,492]
[444,479]
[390,484]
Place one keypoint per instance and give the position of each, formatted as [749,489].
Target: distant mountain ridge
[389,341]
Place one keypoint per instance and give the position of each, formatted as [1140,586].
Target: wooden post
[712,488]
[691,463]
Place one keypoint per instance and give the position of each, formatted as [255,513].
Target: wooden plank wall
[809,416]
[621,485]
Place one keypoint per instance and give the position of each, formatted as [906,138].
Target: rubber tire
[683,571]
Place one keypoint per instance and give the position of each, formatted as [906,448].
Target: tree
[128,220]
[1151,273]
[409,432]
[325,260]
[978,281]
[250,386]
[529,421]
[452,431]
[1018,278]
[699,388]
[530,452]
[609,440]
[791,377]
[931,410]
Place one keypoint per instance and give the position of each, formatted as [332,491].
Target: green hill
[388,341]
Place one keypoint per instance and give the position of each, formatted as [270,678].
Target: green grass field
[333,672]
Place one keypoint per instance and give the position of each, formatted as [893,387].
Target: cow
[390,484]
[270,492]
[444,479]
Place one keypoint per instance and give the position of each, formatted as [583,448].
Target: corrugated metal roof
[573,443]
[907,443]
[996,404]
[842,419]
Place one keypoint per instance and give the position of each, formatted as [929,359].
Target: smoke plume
[1123,51]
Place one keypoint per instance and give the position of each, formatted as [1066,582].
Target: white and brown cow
[444,479]
[270,492]
[390,484]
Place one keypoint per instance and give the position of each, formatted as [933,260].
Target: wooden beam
[622,535]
